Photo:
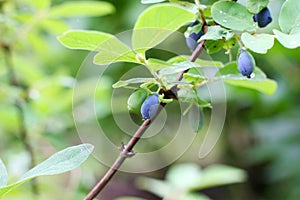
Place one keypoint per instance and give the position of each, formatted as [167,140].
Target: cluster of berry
[245,61]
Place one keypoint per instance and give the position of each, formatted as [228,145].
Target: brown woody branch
[127,149]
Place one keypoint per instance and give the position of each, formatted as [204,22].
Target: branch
[18,104]
[127,150]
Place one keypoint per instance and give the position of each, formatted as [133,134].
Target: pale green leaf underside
[156,64]
[113,50]
[233,15]
[200,62]
[124,83]
[58,163]
[216,33]
[178,67]
[156,23]
[289,17]
[259,43]
[81,8]
[255,6]
[3,174]
[259,82]
[196,78]
[289,41]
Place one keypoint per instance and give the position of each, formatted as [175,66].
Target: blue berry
[245,63]
[263,18]
[193,34]
[150,106]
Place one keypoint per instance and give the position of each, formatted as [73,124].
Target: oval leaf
[231,75]
[233,15]
[58,163]
[289,41]
[216,33]
[133,81]
[110,48]
[255,6]
[156,23]
[259,43]
[289,17]
[83,40]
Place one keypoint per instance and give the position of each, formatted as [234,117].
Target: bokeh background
[261,133]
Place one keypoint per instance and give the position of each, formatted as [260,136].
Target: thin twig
[19,105]
[127,150]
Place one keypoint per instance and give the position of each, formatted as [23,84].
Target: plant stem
[20,107]
[127,150]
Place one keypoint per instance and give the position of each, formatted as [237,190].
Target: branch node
[126,153]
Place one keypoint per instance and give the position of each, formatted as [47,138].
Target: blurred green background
[261,133]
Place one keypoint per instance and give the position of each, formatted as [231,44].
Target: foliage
[33,77]
[58,163]
[182,181]
[36,96]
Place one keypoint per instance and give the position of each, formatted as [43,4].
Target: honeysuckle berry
[150,107]
[136,99]
[263,18]
[245,63]
[193,35]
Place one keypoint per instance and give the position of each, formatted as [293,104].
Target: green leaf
[110,48]
[196,118]
[184,176]
[178,67]
[151,1]
[200,62]
[113,50]
[3,174]
[259,43]
[255,6]
[136,100]
[83,40]
[289,17]
[216,175]
[216,33]
[133,81]
[259,82]
[233,15]
[58,163]
[289,41]
[156,64]
[81,8]
[156,23]
[194,78]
